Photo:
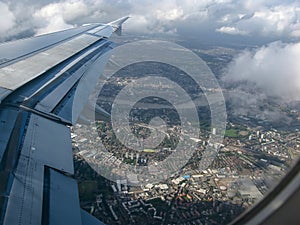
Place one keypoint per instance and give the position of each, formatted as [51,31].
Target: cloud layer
[263,18]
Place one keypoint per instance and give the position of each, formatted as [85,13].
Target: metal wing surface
[38,79]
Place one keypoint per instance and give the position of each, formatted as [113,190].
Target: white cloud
[139,24]
[261,18]
[231,30]
[56,16]
[7,18]
[278,20]
[273,69]
[171,14]
[295,30]
[74,9]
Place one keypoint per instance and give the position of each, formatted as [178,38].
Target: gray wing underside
[38,80]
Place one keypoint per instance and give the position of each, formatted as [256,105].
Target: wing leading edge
[38,79]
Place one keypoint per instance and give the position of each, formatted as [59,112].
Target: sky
[273,26]
[259,19]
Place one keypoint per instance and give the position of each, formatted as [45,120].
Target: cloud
[16,19]
[7,18]
[272,20]
[278,20]
[56,16]
[273,69]
[231,30]
[259,83]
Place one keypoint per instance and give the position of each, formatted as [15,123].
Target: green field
[232,133]
[129,161]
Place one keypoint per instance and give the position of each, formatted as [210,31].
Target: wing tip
[117,24]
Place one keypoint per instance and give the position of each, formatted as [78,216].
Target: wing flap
[46,144]
[7,122]
[66,211]
[87,83]
[24,204]
[49,143]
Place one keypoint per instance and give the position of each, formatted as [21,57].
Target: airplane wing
[38,79]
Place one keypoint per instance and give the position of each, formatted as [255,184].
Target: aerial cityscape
[252,158]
